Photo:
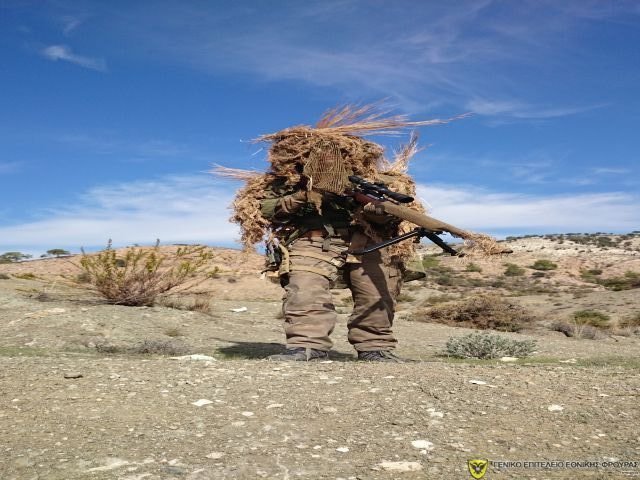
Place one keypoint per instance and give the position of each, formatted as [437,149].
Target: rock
[509,359]
[434,414]
[195,357]
[239,309]
[202,402]
[215,455]
[342,449]
[73,375]
[247,414]
[422,444]
[555,408]
[401,466]
[477,382]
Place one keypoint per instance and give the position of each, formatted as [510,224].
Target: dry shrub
[486,345]
[160,347]
[482,312]
[576,330]
[198,304]
[145,347]
[632,321]
[592,318]
[584,324]
[140,275]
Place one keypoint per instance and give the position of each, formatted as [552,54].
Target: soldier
[321,231]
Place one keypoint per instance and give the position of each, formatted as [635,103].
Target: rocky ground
[78,402]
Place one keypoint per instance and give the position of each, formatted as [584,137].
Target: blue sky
[112,112]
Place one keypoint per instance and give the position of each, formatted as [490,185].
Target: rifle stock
[404,213]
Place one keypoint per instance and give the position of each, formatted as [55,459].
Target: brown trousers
[309,312]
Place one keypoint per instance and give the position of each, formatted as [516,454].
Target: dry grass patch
[482,312]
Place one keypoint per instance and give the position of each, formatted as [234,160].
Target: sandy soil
[70,412]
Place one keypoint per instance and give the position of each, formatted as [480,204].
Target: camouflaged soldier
[316,257]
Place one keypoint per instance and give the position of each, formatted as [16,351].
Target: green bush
[591,317]
[629,281]
[487,345]
[513,270]
[473,267]
[544,265]
[430,261]
[137,277]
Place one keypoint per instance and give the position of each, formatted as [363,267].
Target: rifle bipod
[418,232]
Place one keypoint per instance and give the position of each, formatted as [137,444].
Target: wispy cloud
[488,211]
[111,142]
[174,209]
[465,55]
[64,53]
[611,171]
[71,22]
[9,167]
[520,110]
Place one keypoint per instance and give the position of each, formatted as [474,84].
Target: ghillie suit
[314,223]
[330,151]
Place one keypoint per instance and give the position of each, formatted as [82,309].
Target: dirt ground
[69,411]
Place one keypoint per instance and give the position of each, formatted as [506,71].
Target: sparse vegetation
[481,312]
[473,267]
[25,276]
[139,276]
[486,345]
[4,276]
[632,321]
[145,347]
[160,347]
[513,270]
[544,265]
[13,257]
[628,281]
[173,331]
[57,252]
[584,324]
[591,317]
[405,297]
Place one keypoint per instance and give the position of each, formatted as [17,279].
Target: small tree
[57,252]
[12,257]
[140,275]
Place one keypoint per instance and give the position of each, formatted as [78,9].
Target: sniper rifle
[389,202]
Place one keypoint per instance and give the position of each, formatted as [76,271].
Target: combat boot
[299,354]
[380,356]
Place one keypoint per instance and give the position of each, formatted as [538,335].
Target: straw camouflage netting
[319,159]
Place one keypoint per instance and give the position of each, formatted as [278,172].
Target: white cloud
[516,109]
[487,211]
[193,209]
[178,209]
[62,52]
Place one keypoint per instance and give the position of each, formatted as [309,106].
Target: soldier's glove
[294,202]
[374,208]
